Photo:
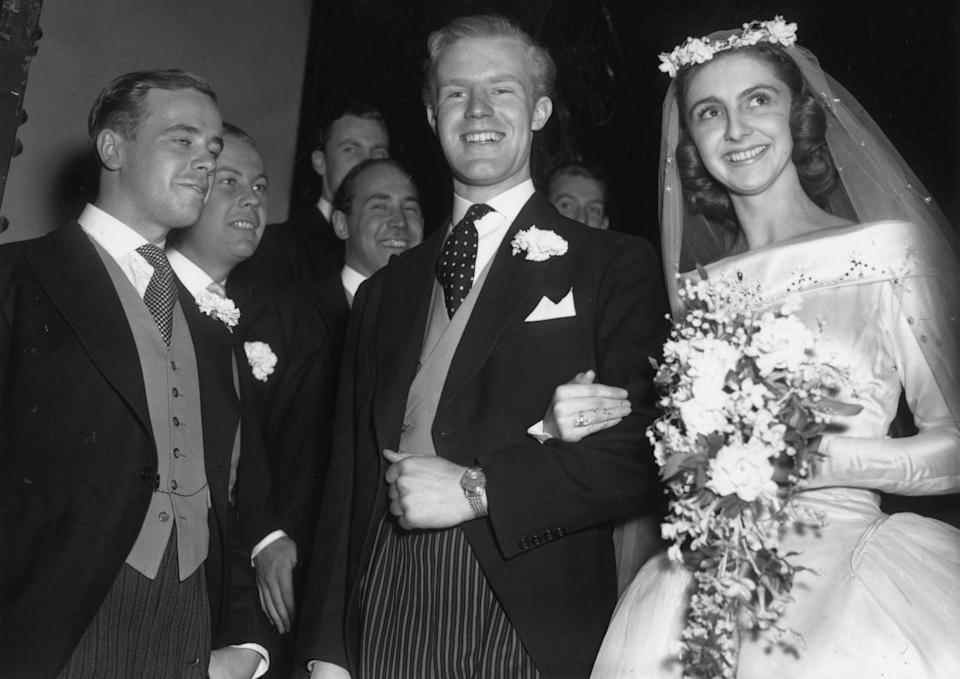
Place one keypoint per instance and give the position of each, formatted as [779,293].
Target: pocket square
[547,309]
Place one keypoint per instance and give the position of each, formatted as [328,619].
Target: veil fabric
[877,184]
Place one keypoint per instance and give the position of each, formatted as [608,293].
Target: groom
[452,543]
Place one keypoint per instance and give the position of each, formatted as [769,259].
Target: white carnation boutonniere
[219,307]
[538,244]
[261,359]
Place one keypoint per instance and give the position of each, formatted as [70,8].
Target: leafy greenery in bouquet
[745,396]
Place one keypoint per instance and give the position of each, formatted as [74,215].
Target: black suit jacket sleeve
[302,433]
[539,492]
[324,608]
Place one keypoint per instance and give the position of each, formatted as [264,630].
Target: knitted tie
[159,296]
[457,262]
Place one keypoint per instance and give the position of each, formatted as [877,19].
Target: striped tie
[458,259]
[159,296]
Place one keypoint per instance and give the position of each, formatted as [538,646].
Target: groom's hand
[425,491]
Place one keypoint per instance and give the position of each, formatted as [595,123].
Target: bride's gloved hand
[927,463]
[580,408]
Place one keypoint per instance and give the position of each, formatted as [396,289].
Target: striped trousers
[429,613]
[148,629]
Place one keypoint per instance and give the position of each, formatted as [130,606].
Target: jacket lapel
[405,304]
[214,350]
[513,287]
[70,270]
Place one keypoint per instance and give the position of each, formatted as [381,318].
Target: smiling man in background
[376,212]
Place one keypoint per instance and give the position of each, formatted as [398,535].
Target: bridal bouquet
[745,398]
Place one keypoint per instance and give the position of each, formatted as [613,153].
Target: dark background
[901,62]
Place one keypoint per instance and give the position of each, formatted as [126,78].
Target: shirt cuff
[342,674]
[264,658]
[266,542]
[537,432]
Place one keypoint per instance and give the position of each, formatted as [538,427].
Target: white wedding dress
[884,600]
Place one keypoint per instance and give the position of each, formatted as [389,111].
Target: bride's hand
[580,408]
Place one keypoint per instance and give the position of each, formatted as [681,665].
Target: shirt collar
[194,279]
[326,208]
[118,239]
[509,203]
[351,279]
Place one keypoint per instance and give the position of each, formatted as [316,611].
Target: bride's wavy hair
[808,127]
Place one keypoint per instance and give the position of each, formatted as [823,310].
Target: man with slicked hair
[457,543]
[121,418]
[304,251]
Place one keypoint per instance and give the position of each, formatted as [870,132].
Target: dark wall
[253,58]
[900,61]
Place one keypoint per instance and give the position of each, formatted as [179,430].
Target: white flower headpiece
[701,50]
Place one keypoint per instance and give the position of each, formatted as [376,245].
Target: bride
[773,173]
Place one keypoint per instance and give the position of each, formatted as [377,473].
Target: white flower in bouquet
[769,430]
[745,397]
[743,469]
[782,343]
[701,420]
[709,366]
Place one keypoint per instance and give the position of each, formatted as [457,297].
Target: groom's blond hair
[543,70]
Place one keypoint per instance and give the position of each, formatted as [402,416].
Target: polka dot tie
[457,262]
[159,296]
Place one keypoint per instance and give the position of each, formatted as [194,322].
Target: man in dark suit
[476,550]
[291,398]
[376,213]
[304,250]
[121,419]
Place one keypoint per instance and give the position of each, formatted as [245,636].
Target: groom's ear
[542,109]
[109,145]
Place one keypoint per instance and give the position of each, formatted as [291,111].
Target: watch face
[473,480]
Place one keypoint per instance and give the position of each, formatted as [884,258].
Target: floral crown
[701,50]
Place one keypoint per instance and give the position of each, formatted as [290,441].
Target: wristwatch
[474,484]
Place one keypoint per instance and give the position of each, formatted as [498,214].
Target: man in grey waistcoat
[452,542]
[120,432]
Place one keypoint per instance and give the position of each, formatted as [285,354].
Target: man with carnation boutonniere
[440,506]
[121,417]
[285,376]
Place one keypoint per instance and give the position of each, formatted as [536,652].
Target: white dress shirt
[121,243]
[351,279]
[194,279]
[493,227]
[326,208]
